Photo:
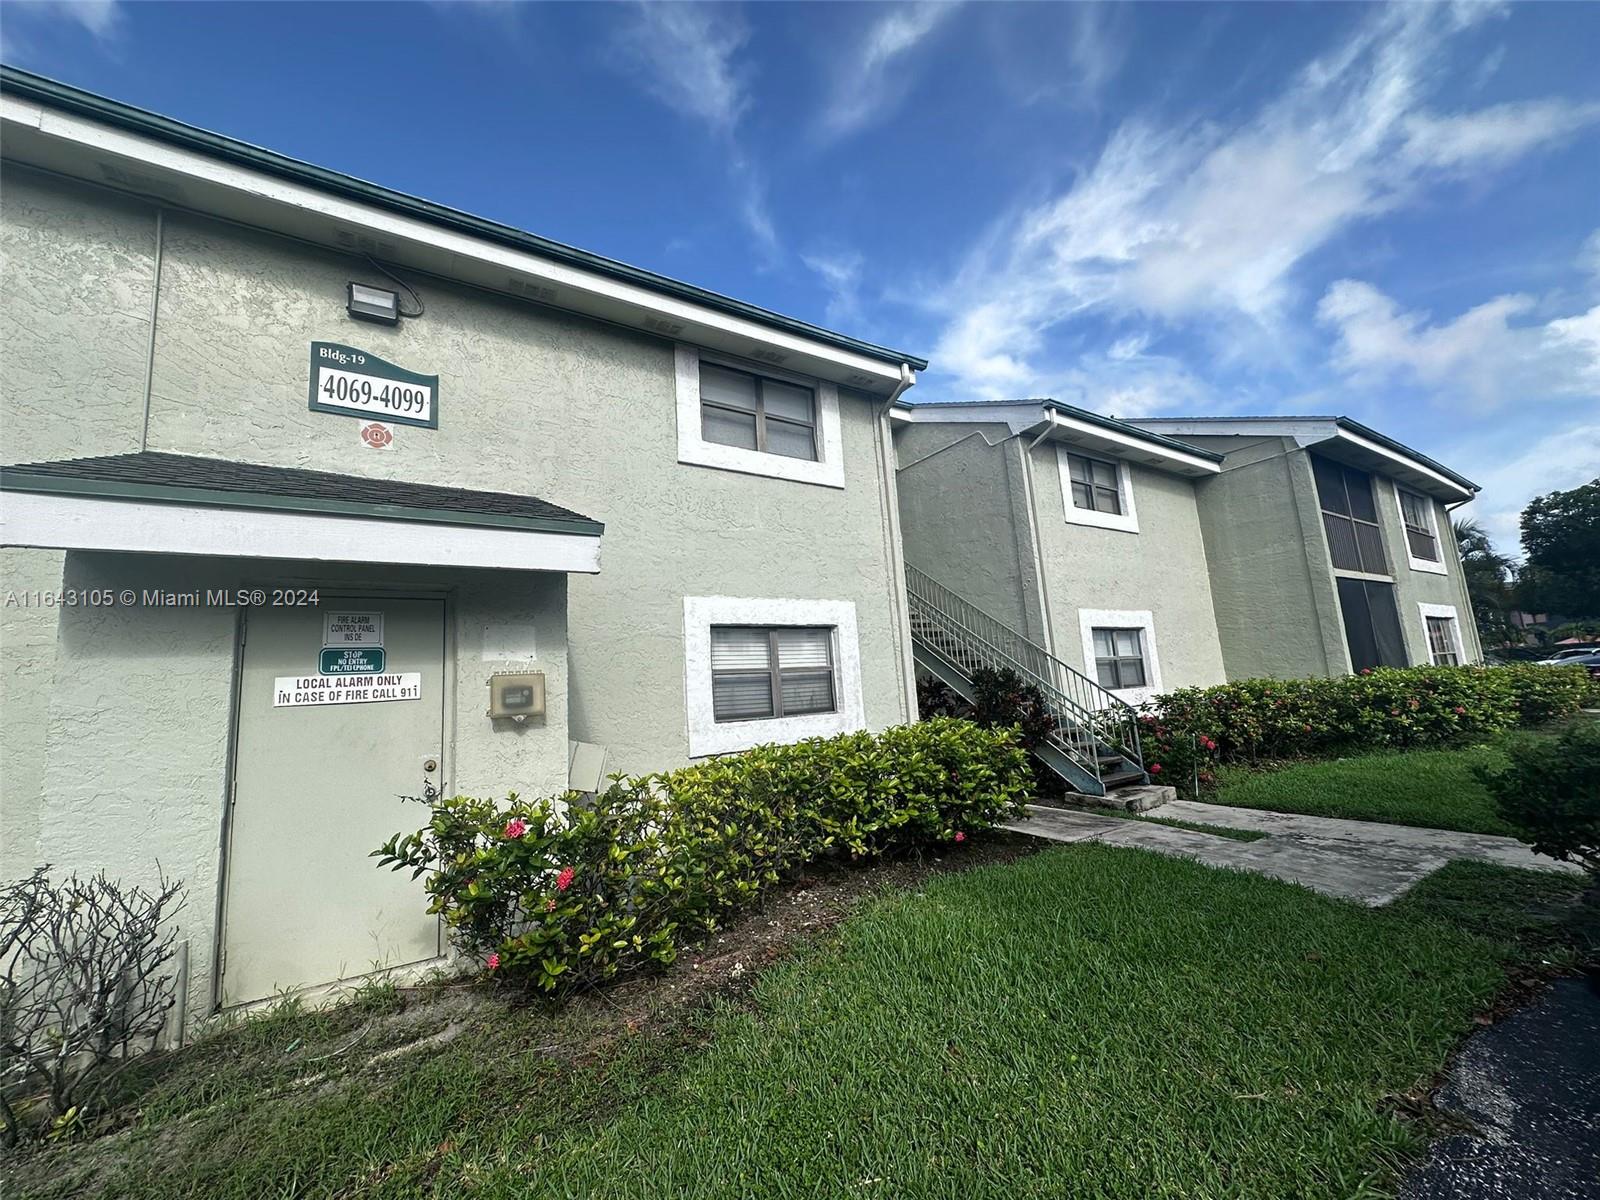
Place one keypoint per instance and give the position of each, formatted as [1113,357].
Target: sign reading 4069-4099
[353,383]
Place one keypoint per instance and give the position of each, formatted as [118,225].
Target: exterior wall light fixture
[373,304]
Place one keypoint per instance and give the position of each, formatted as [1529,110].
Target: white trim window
[1421,527]
[1096,490]
[741,417]
[1441,633]
[769,670]
[1119,651]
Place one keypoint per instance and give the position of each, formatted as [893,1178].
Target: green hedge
[562,896]
[1193,728]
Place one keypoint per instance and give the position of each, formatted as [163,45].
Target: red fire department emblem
[379,437]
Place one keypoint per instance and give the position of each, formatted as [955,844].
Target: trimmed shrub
[1003,700]
[1191,729]
[1551,793]
[564,896]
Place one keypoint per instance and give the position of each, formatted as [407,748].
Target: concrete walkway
[1365,861]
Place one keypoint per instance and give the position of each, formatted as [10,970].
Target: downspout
[1046,616]
[150,348]
[1461,572]
[889,500]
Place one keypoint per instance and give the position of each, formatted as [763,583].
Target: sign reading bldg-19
[353,383]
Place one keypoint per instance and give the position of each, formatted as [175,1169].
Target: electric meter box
[516,696]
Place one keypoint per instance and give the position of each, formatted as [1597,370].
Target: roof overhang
[69,132]
[54,516]
[1339,438]
[1050,420]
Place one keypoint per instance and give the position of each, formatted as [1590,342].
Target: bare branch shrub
[85,983]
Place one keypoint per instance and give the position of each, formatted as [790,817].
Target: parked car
[1566,654]
[1589,660]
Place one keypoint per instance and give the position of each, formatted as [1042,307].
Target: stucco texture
[531,399]
[964,517]
[1161,569]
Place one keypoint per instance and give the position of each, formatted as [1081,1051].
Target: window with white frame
[754,412]
[760,672]
[1119,658]
[1094,484]
[1096,491]
[739,416]
[1119,651]
[1422,531]
[1441,628]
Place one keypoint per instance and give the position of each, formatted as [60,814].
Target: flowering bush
[1191,730]
[560,896]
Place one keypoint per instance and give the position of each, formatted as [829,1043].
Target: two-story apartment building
[1153,554]
[319,495]
[1330,547]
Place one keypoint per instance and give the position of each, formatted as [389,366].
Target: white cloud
[1560,460]
[871,81]
[686,56]
[840,272]
[1178,223]
[1482,356]
[686,52]
[102,18]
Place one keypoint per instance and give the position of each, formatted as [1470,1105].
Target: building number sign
[354,383]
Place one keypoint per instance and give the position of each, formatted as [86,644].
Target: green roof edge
[216,145]
[1105,422]
[13,480]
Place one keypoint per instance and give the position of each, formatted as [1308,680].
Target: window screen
[1371,624]
[1350,517]
[1094,484]
[753,412]
[758,671]
[1119,658]
[1442,642]
[1417,512]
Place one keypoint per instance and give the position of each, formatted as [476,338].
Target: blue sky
[1387,212]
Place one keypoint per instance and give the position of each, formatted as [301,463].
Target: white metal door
[321,762]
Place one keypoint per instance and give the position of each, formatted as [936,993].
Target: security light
[374,304]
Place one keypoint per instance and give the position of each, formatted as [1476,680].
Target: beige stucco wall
[138,717]
[531,400]
[964,517]
[1160,569]
[1272,577]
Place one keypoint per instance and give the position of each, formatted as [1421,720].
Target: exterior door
[321,761]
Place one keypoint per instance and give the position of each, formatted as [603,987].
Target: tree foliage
[1489,583]
[1561,535]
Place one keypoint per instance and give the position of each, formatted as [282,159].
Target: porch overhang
[154,503]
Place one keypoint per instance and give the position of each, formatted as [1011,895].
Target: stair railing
[1088,714]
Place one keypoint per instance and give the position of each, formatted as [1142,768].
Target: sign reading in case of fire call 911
[354,383]
[293,691]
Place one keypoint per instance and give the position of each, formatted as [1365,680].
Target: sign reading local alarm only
[354,383]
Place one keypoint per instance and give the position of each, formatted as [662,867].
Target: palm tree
[1489,575]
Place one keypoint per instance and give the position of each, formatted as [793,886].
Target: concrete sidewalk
[1365,861]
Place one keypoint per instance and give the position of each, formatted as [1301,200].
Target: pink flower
[515,828]
[960,836]
[564,880]
[1155,768]
[1460,712]
[493,960]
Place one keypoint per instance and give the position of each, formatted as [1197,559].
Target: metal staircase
[1095,743]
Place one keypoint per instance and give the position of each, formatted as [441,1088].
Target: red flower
[1155,768]
[515,828]
[960,837]
[493,960]
[564,880]
[1460,712]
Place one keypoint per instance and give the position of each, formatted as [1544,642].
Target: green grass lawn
[1090,1021]
[1433,788]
